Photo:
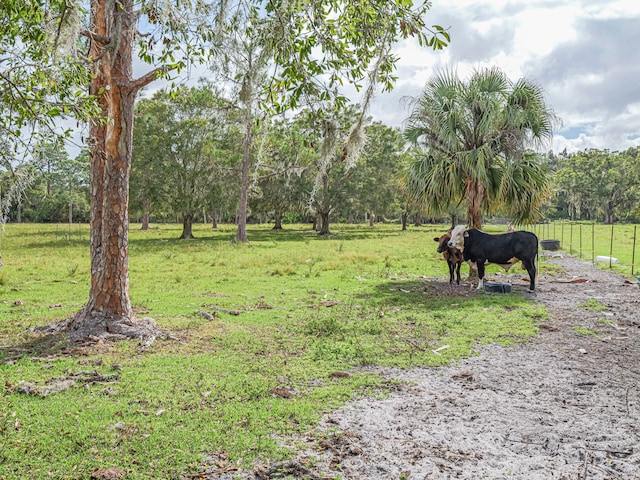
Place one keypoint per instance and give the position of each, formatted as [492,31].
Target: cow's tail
[536,261]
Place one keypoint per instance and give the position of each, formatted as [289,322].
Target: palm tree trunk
[475,198]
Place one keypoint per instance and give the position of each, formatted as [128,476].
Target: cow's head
[457,237]
[443,242]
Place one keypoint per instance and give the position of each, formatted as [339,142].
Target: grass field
[290,311]
[589,240]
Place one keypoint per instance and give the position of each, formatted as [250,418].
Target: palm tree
[474,140]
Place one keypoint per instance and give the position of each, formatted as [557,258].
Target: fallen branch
[206,315]
[224,310]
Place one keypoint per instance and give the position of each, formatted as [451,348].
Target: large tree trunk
[475,199]
[187,227]
[403,217]
[324,226]
[277,221]
[146,205]
[108,312]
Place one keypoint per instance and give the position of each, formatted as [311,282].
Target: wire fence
[614,245]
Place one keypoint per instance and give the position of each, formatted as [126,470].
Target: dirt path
[565,405]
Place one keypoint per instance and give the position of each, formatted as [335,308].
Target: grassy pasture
[588,240]
[290,309]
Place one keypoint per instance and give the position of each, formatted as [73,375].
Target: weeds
[593,305]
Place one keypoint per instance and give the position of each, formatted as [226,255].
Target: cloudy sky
[585,54]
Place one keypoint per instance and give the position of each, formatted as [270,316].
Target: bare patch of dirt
[565,405]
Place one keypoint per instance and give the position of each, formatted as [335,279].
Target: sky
[585,54]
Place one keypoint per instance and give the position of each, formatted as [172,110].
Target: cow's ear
[437,239]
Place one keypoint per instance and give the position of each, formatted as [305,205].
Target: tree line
[187,154]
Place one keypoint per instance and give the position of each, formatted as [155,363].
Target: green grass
[593,305]
[307,306]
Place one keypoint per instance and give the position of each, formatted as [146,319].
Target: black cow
[452,255]
[504,249]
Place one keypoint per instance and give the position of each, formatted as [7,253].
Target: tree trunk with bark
[277,221]
[108,312]
[187,227]
[324,223]
[475,198]
[403,218]
[241,234]
[325,206]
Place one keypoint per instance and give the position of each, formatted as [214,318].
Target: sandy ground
[565,405]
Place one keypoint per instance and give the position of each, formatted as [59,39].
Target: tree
[285,154]
[178,135]
[377,176]
[61,183]
[331,168]
[174,35]
[475,138]
[599,184]
[14,181]
[353,40]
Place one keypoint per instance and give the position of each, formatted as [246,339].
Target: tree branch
[94,36]
[147,78]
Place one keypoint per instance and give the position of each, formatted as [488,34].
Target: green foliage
[186,135]
[261,369]
[598,184]
[353,37]
[39,82]
[474,138]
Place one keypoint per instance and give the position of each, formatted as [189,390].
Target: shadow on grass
[45,345]
[435,295]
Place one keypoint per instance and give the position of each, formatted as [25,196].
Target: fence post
[633,252]
[570,237]
[611,246]
[580,240]
[593,243]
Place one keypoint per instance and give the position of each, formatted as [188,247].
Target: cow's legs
[480,265]
[531,268]
[451,269]
[458,265]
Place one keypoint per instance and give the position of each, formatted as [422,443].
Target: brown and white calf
[452,255]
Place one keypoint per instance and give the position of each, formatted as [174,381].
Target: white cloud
[584,54]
